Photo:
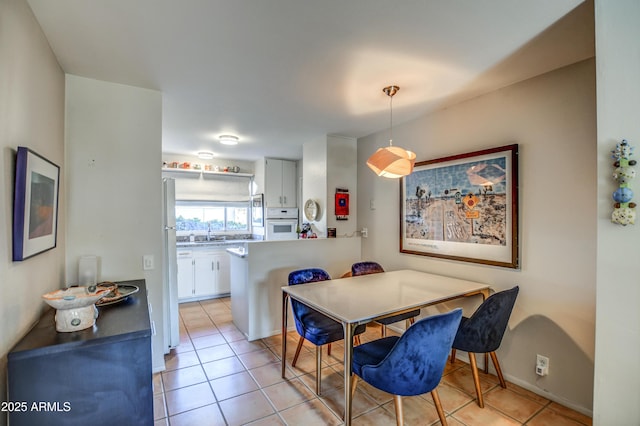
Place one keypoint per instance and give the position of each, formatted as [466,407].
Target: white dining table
[359,300]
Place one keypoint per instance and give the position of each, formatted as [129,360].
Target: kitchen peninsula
[259,269]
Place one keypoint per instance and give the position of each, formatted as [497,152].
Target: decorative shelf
[205,172]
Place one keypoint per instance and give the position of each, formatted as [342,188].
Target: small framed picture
[35,207]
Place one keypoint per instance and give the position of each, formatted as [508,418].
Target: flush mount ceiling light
[205,155]
[228,139]
[391,161]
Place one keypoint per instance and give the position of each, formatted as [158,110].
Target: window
[201,217]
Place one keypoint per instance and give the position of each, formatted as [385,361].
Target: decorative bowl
[74,297]
[75,307]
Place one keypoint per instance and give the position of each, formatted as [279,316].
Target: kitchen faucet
[209,232]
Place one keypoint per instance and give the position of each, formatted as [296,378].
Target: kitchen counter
[258,274]
[238,251]
[212,243]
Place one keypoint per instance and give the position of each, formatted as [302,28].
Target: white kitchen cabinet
[223,281]
[185,274]
[205,273]
[202,273]
[280,183]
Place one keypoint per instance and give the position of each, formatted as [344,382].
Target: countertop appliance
[281,223]
[170,272]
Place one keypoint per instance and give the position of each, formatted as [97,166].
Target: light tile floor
[217,377]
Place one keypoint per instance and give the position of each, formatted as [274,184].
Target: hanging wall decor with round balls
[624,212]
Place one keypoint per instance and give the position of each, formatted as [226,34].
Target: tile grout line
[193,312]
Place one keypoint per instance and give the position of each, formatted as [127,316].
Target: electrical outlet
[364,232]
[147,262]
[542,365]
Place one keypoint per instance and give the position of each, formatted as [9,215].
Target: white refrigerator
[170,272]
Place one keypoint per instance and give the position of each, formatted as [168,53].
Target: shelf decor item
[463,207]
[75,306]
[35,204]
[624,212]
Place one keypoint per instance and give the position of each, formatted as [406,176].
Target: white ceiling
[280,73]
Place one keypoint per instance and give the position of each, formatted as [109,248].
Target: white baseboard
[526,385]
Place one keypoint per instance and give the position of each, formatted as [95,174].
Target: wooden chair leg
[356,340]
[354,385]
[436,401]
[397,401]
[453,355]
[295,357]
[318,368]
[476,378]
[383,330]
[329,349]
[496,364]
[486,363]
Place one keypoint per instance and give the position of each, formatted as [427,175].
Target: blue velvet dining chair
[411,364]
[366,268]
[482,333]
[311,324]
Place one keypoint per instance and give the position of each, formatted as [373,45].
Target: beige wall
[552,118]
[31,115]
[617,374]
[113,152]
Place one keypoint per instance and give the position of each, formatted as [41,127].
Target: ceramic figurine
[624,174]
[75,307]
[624,216]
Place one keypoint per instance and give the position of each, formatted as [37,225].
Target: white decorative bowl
[75,307]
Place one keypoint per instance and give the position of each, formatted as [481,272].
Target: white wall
[341,173]
[617,372]
[314,182]
[269,265]
[329,164]
[31,115]
[113,161]
[552,118]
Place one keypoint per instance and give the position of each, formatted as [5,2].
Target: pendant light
[391,161]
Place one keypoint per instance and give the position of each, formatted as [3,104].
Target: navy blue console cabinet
[98,376]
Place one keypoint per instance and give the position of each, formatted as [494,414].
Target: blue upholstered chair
[311,324]
[482,333]
[366,268]
[411,364]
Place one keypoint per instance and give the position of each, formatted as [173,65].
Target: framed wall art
[463,207]
[35,206]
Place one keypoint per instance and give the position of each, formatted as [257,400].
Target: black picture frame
[35,206]
[463,207]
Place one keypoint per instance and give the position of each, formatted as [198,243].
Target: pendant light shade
[392,161]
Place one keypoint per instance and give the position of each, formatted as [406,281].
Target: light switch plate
[147,262]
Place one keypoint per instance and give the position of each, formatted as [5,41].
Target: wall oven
[281,224]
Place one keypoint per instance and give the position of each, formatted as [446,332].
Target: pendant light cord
[390,120]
